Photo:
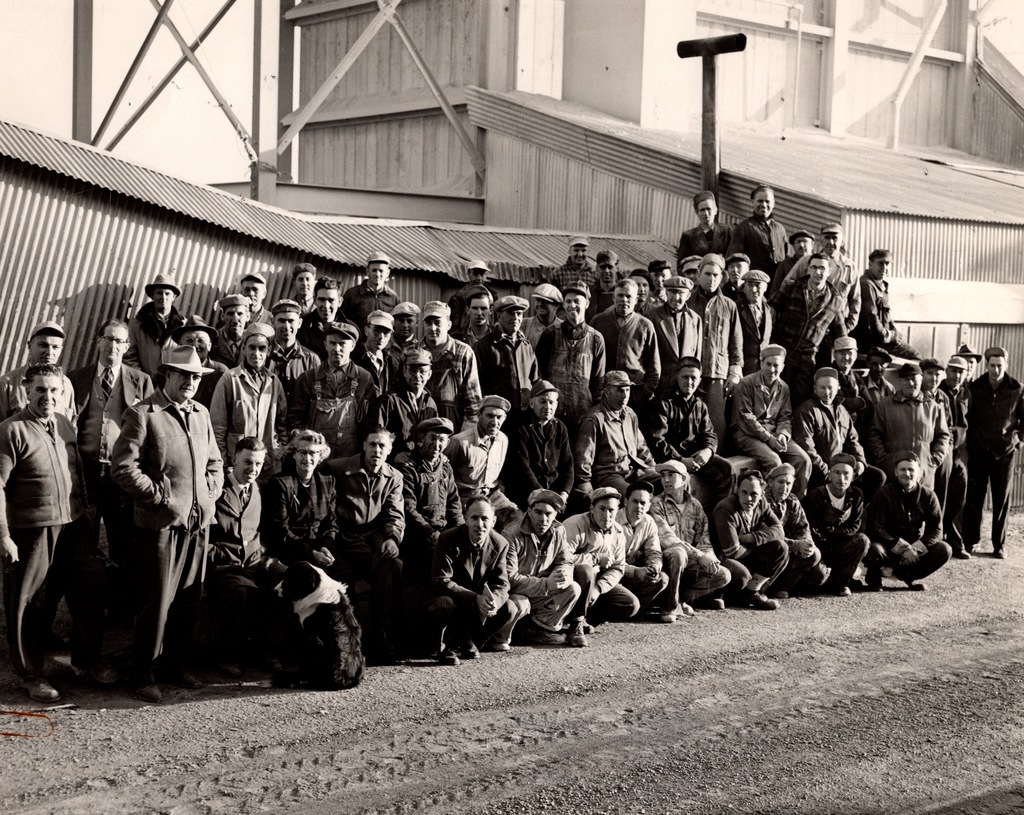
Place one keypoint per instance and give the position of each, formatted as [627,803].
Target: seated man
[762,418]
[905,527]
[680,429]
[299,521]
[541,456]
[408,405]
[835,513]
[540,571]
[239,574]
[611,451]
[749,539]
[470,587]
[823,427]
[598,544]
[371,525]
[804,568]
[683,525]
[644,574]
[478,455]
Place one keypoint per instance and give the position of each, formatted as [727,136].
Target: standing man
[45,536]
[478,317]
[995,429]
[373,294]
[45,345]
[875,326]
[602,293]
[709,235]
[722,360]
[234,314]
[736,266]
[679,331]
[167,460]
[407,321]
[546,302]
[288,357]
[406,407]
[756,318]
[373,356]
[254,289]
[842,275]
[659,271]
[572,357]
[303,284]
[103,392]
[454,382]
[577,267]
[150,329]
[959,397]
[458,304]
[630,342]
[802,242]
[505,359]
[874,386]
[761,237]
[312,331]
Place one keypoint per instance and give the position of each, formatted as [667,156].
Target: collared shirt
[604,549]
[610,444]
[532,559]
[477,460]
[643,548]
[681,523]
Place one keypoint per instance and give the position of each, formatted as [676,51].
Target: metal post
[257,95]
[710,147]
[81,73]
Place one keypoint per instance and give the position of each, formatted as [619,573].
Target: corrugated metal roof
[515,255]
[827,172]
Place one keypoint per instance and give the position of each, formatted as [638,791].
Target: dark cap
[542,386]
[346,331]
[932,364]
[578,287]
[435,423]
[843,458]
[703,195]
[737,257]
[657,265]
[994,351]
[968,353]
[879,254]
[881,353]
[905,455]
[909,369]
[800,234]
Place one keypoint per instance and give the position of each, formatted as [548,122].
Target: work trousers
[767,459]
[114,508]
[651,594]
[768,559]
[983,469]
[713,482]
[360,557]
[618,603]
[243,606]
[455,621]
[547,611]
[951,488]
[935,558]
[701,576]
[843,554]
[714,398]
[804,571]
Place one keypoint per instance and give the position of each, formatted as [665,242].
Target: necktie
[107,383]
[51,428]
[245,495]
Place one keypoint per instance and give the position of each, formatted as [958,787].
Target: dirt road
[893,703]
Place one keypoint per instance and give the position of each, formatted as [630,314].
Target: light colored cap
[232,300]
[381,318]
[672,467]
[478,264]
[690,262]
[822,373]
[545,291]
[678,283]
[259,277]
[493,401]
[959,363]
[714,259]
[417,357]
[435,308]
[755,274]
[262,329]
[845,344]
[406,308]
[511,303]
[780,469]
[542,386]
[772,351]
[604,492]
[378,257]
[617,379]
[286,307]
[578,240]
[50,328]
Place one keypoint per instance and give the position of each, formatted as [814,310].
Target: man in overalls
[332,397]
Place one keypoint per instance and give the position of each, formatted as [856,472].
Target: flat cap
[377,257]
[905,455]
[780,469]
[845,344]
[881,353]
[909,369]
[712,258]
[346,331]
[689,362]
[995,351]
[737,257]
[672,466]
[826,372]
[843,458]
[163,281]
[437,424]
[579,287]
[800,234]
[494,401]
[656,265]
[932,364]
[967,352]
[258,329]
[617,379]
[381,318]
[542,386]
[678,283]
[405,308]
[690,262]
[231,301]
[417,357]
[959,363]
[546,497]
[578,240]
[880,254]
[832,229]
[478,264]
[435,308]
[545,291]
[259,277]
[703,195]
[194,323]
[303,268]
[772,351]
[604,492]
[757,275]
[50,328]
[511,303]
[286,307]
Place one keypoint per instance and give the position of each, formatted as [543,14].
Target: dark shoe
[535,635]
[469,651]
[999,554]
[150,693]
[271,662]
[497,646]
[577,636]
[181,678]
[446,656]
[780,595]
[842,591]
[101,674]
[961,554]
[230,668]
[39,690]
[755,599]
[912,586]
[709,603]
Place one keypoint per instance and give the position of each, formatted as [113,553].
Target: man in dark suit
[103,391]
[709,235]
[678,329]
[167,460]
[756,319]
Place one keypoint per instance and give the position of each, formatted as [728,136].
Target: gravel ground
[893,703]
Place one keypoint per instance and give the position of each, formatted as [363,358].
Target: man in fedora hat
[167,460]
[198,334]
[149,331]
[45,344]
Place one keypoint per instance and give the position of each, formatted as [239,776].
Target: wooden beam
[910,74]
[384,106]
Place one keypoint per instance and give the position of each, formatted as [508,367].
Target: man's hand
[858,469]
[594,594]
[389,549]
[488,607]
[653,573]
[556,582]
[777,444]
[801,548]
[8,549]
[322,557]
[905,553]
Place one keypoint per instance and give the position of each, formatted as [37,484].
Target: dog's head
[301,580]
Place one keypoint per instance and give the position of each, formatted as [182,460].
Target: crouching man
[804,568]
[471,589]
[650,572]
[905,525]
[540,572]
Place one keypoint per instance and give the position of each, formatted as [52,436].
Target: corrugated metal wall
[942,249]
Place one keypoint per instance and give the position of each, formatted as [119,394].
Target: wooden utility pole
[710,150]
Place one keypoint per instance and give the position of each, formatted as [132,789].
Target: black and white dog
[332,654]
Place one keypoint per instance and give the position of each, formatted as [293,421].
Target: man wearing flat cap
[254,289]
[679,331]
[572,357]
[761,237]
[805,569]
[736,265]
[630,343]
[708,235]
[304,277]
[905,528]
[756,318]
[168,462]
[842,276]
[689,266]
[995,430]
[234,317]
[196,333]
[908,420]
[577,267]
[659,271]
[602,293]
[45,345]
[478,456]
[506,360]
[875,326]
[250,401]
[373,294]
[332,397]
[454,382]
[404,408]
[458,303]
[610,450]
[954,386]
[762,419]
[149,331]
[802,243]
[407,320]
[540,570]
[540,457]
[372,354]
[546,302]
[844,355]
[289,358]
